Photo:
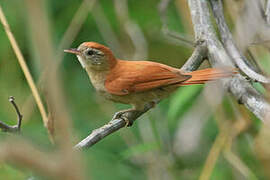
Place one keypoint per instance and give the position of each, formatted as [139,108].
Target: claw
[128,122]
[119,115]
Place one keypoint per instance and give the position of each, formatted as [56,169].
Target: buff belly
[138,100]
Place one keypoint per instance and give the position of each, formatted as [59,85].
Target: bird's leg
[129,115]
[126,115]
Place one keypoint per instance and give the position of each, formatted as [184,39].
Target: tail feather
[209,74]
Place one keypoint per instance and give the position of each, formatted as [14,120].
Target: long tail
[209,74]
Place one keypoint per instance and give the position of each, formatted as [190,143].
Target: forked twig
[17,127]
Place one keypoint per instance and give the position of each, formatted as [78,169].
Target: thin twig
[254,62]
[163,7]
[24,67]
[177,36]
[17,127]
[12,100]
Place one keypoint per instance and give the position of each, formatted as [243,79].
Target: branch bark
[197,57]
[113,126]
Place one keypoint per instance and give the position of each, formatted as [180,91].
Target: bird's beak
[73,51]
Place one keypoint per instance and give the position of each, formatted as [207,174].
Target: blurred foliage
[132,153]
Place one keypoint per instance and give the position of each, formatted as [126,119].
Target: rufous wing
[138,76]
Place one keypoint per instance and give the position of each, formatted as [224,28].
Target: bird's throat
[97,78]
[81,61]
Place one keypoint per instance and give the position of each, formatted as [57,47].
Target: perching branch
[17,127]
[114,125]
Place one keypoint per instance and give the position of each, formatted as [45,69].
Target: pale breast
[97,79]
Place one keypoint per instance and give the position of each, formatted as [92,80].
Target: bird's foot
[124,114]
[129,115]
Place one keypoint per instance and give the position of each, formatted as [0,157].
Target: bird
[138,83]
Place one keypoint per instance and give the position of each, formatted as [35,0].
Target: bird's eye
[90,52]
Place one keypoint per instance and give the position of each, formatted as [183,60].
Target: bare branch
[178,36]
[17,127]
[238,86]
[230,46]
[196,58]
[100,133]
[114,125]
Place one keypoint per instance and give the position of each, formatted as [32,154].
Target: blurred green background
[171,141]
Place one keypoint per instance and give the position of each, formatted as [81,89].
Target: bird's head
[94,56]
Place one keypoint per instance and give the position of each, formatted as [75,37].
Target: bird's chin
[81,61]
